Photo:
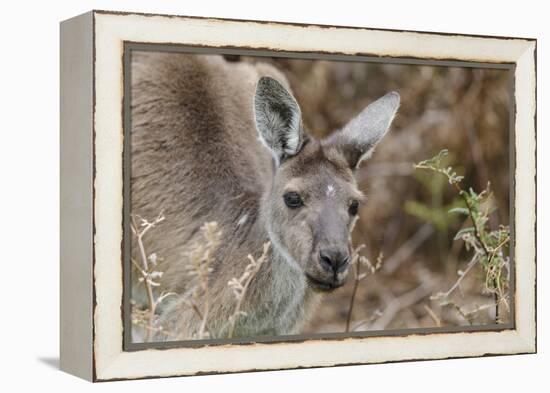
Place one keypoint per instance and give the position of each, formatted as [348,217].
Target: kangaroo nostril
[333,261]
[326,262]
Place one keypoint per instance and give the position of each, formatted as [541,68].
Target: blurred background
[405,222]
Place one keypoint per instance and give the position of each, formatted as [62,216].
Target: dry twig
[148,262]
[357,262]
[406,300]
[240,285]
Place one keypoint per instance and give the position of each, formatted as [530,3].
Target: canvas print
[272,197]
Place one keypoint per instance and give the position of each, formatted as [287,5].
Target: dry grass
[145,319]
[240,285]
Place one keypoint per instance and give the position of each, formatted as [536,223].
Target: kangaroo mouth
[322,286]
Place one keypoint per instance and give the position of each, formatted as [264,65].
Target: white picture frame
[92,194]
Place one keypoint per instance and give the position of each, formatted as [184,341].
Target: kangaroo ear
[278,119]
[360,136]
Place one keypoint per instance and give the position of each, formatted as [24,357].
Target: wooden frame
[92,159]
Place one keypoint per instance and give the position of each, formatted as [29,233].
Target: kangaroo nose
[334,260]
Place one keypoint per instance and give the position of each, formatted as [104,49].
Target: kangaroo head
[313,201]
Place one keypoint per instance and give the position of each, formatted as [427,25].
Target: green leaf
[464,231]
[460,210]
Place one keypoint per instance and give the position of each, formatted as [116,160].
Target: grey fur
[196,155]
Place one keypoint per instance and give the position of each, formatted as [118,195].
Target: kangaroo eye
[353,208]
[293,200]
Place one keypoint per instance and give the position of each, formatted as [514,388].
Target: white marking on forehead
[331,191]
[242,220]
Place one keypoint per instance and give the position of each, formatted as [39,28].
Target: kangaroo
[214,140]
